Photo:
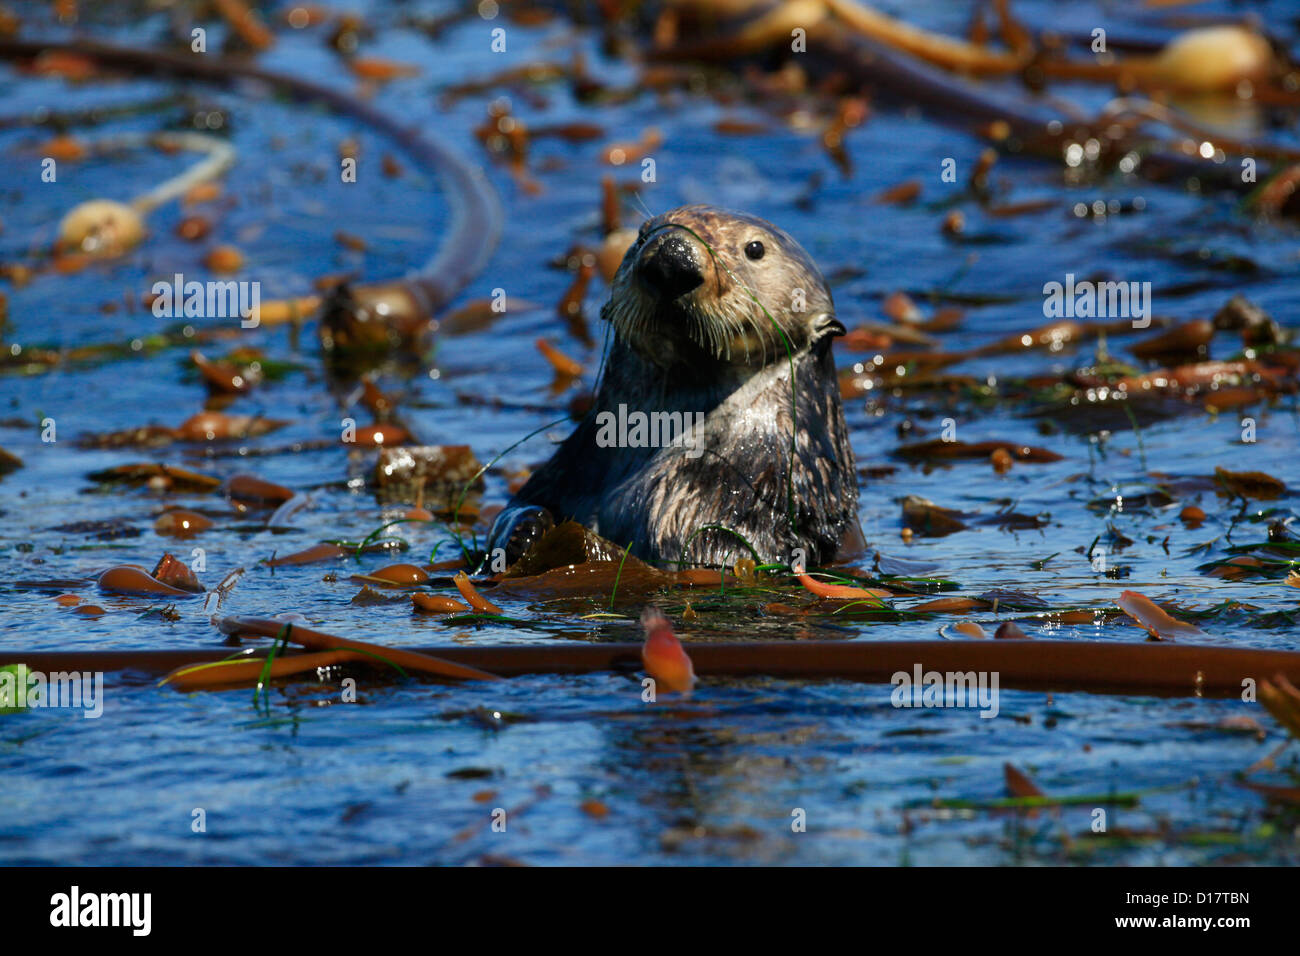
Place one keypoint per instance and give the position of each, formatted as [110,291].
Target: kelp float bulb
[101,227]
[1214,59]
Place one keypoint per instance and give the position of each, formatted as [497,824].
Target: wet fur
[714,351]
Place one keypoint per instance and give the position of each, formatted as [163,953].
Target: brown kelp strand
[472,596]
[1157,669]
[476,213]
[131,579]
[889,60]
[320,641]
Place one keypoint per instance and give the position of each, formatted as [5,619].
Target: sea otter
[686,452]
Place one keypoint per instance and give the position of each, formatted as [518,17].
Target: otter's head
[707,283]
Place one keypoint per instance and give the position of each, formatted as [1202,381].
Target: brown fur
[724,349]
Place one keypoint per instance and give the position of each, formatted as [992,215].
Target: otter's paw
[515,531]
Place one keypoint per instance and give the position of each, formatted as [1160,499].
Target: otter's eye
[754,250]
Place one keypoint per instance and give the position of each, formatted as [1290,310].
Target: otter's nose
[668,266]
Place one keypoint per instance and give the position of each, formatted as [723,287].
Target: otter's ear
[826,325]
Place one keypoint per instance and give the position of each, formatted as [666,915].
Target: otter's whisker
[645,210]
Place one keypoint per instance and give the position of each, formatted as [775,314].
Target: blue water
[412,772]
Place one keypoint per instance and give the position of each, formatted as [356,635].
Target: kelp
[1110,667]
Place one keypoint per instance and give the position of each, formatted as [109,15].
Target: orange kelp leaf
[1192,336]
[379,435]
[1293,579]
[1249,484]
[904,192]
[169,570]
[480,314]
[226,260]
[1157,623]
[222,377]
[569,307]
[611,216]
[129,579]
[1282,700]
[616,154]
[436,604]
[1236,567]
[9,462]
[1241,724]
[200,193]
[250,488]
[1019,785]
[194,228]
[217,426]
[70,66]
[399,575]
[866,340]
[839,591]
[181,524]
[455,564]
[319,552]
[563,364]
[1223,399]
[899,307]
[63,148]
[702,577]
[776,607]
[925,517]
[970,629]
[246,23]
[950,605]
[477,601]
[1054,336]
[1010,630]
[663,655]
[224,674]
[381,71]
[1196,375]
[168,476]
[368,596]
[375,399]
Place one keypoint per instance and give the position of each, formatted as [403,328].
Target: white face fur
[759,292]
